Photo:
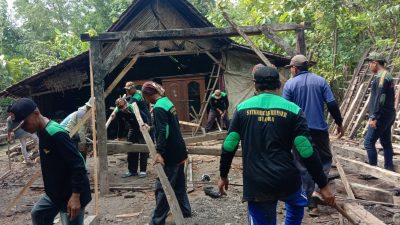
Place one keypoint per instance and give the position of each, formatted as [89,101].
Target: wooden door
[174,90]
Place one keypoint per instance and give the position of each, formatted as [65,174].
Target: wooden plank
[169,192]
[247,39]
[360,119]
[270,34]
[91,220]
[360,167]
[189,176]
[352,152]
[366,192]
[361,215]
[21,193]
[346,183]
[193,33]
[207,137]
[353,109]
[97,81]
[189,124]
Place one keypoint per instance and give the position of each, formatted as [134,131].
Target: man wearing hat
[268,126]
[311,92]
[381,112]
[171,152]
[66,185]
[124,114]
[72,120]
[219,105]
[20,134]
[135,158]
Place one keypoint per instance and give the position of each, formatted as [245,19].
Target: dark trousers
[133,157]
[176,177]
[383,132]
[321,144]
[214,114]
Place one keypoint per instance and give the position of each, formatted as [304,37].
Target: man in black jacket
[219,105]
[171,152]
[382,112]
[124,114]
[268,126]
[67,189]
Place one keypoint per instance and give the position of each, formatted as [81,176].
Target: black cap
[265,75]
[22,108]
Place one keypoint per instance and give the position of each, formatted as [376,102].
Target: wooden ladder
[212,83]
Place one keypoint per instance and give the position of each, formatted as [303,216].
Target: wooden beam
[121,75]
[21,193]
[169,192]
[183,52]
[207,137]
[301,42]
[247,39]
[91,220]
[361,215]
[366,192]
[352,152]
[194,33]
[360,167]
[94,131]
[97,81]
[270,34]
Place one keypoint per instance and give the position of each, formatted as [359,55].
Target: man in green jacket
[171,152]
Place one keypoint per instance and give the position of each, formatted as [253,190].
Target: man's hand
[118,139]
[158,159]
[146,126]
[74,206]
[340,131]
[223,185]
[372,124]
[219,111]
[329,198]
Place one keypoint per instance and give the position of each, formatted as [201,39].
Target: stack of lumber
[15,152]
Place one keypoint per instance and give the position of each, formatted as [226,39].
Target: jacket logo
[46,151]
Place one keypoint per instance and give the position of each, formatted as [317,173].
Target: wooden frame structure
[102,66]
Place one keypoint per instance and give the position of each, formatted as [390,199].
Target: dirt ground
[225,211]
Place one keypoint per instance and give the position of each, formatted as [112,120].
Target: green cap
[375,56]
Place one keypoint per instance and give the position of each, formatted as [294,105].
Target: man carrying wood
[20,134]
[311,92]
[171,152]
[67,189]
[268,126]
[125,114]
[72,120]
[219,105]
[381,112]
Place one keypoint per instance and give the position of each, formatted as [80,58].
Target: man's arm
[334,110]
[229,147]
[162,130]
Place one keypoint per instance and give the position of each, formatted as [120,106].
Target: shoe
[129,174]
[313,212]
[143,174]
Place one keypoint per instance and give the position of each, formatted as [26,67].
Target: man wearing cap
[72,120]
[133,95]
[268,126]
[66,185]
[381,112]
[171,152]
[311,92]
[124,113]
[219,105]
[20,134]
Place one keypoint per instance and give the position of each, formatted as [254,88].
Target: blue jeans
[264,213]
[44,212]
[176,177]
[383,132]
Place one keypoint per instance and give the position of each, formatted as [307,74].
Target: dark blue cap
[22,108]
[266,74]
